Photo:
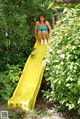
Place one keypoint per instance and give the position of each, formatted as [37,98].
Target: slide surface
[28,86]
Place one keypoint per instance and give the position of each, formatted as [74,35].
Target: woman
[42,29]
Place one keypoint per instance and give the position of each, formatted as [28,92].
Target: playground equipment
[28,86]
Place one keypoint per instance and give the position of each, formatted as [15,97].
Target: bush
[63,61]
[15,34]
[8,81]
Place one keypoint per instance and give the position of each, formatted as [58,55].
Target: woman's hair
[43,16]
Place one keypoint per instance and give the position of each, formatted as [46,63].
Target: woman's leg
[39,35]
[45,36]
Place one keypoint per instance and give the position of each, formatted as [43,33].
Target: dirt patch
[43,110]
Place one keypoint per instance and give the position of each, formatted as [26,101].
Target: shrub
[8,81]
[63,61]
[15,33]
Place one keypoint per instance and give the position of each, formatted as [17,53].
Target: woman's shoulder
[37,22]
[46,22]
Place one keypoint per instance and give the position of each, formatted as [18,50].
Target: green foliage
[57,5]
[15,33]
[63,61]
[8,81]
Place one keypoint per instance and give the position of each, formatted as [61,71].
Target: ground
[43,110]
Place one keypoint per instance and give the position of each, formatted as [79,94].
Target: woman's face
[41,18]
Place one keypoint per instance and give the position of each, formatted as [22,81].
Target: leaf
[50,5]
[65,10]
[79,111]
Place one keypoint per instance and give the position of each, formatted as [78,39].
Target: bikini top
[42,27]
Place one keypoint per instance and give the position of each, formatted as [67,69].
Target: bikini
[42,27]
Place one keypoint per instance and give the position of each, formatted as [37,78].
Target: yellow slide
[27,89]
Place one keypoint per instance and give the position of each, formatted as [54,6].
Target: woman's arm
[49,27]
